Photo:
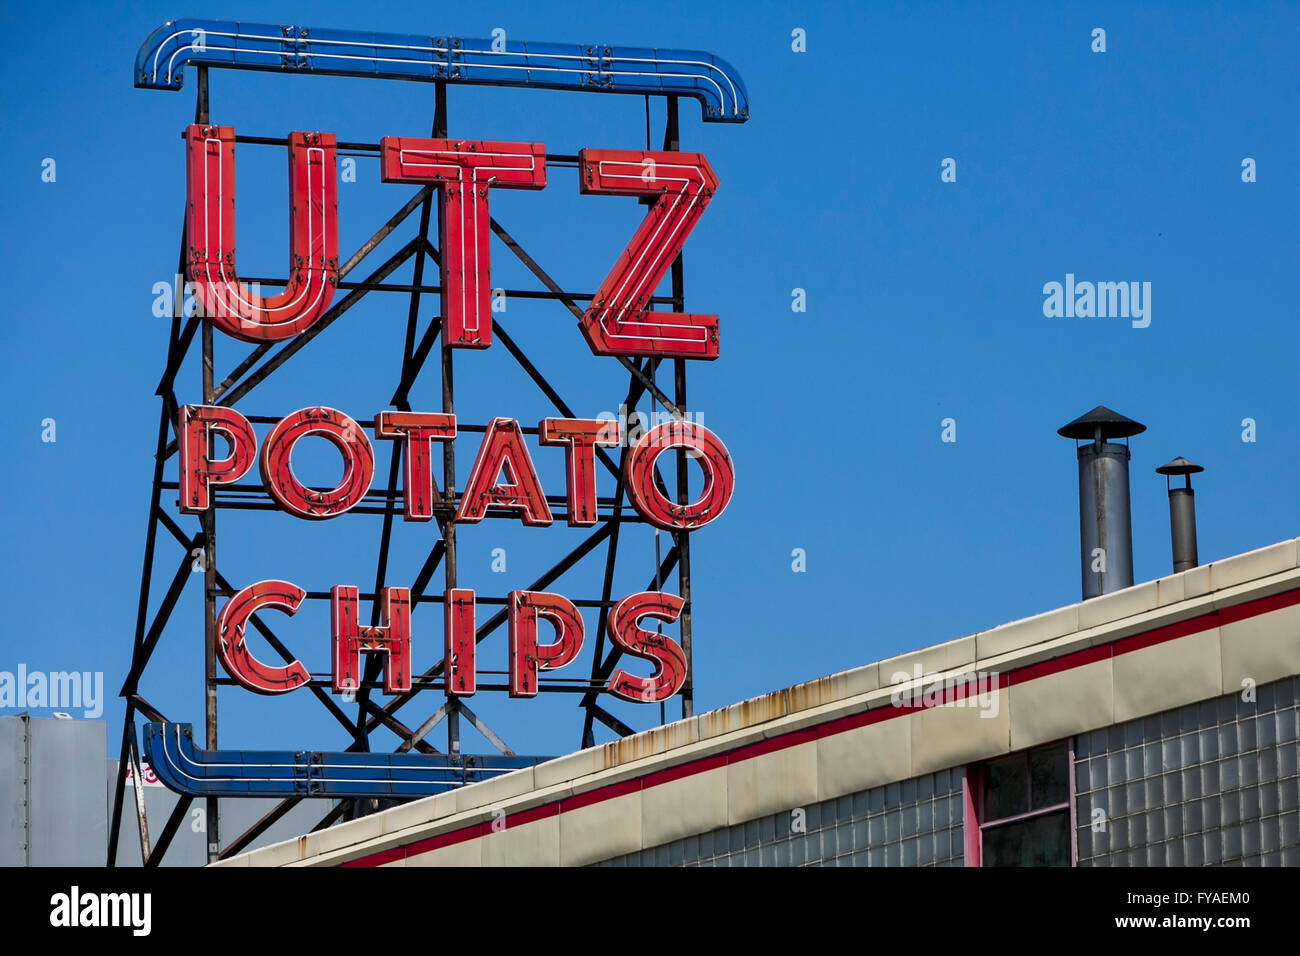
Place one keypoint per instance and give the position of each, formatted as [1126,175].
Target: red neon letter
[210,231]
[503,449]
[198,472]
[619,320]
[719,476]
[458,641]
[463,171]
[670,662]
[341,432]
[527,657]
[581,436]
[234,654]
[418,431]
[350,641]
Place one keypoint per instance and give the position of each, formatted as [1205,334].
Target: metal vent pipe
[1182,512]
[1105,523]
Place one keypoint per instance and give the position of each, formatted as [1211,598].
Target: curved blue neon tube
[280,48]
[182,767]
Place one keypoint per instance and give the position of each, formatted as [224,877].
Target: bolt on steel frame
[418,347]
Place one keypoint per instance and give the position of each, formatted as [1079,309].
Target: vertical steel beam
[448,448]
[683,538]
[201,96]
[372,664]
[634,390]
[119,787]
[137,784]
[672,141]
[175,353]
[209,523]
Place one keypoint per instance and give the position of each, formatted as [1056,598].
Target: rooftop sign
[222,461]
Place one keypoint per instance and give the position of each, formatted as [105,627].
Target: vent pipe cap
[1179,466]
[1111,424]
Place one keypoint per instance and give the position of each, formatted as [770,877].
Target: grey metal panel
[190,845]
[238,815]
[13,791]
[67,820]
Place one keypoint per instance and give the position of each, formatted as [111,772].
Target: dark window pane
[1049,776]
[1007,846]
[1042,841]
[1006,790]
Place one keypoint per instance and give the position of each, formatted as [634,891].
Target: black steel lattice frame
[246,375]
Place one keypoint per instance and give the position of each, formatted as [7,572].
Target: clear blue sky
[924,302]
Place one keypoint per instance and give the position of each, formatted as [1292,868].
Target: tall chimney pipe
[1105,524]
[1182,512]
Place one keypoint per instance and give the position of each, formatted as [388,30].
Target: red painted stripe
[1159,635]
[1079,658]
[1274,602]
[380,858]
[1087,655]
[600,795]
[669,774]
[772,744]
[531,815]
[471,832]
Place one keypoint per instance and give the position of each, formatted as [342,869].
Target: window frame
[974,815]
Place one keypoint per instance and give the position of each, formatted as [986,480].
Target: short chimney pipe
[1105,522]
[1182,512]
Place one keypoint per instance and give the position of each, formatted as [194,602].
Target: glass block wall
[915,822]
[1208,784]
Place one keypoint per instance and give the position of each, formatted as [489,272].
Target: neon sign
[502,454]
[619,320]
[217,446]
